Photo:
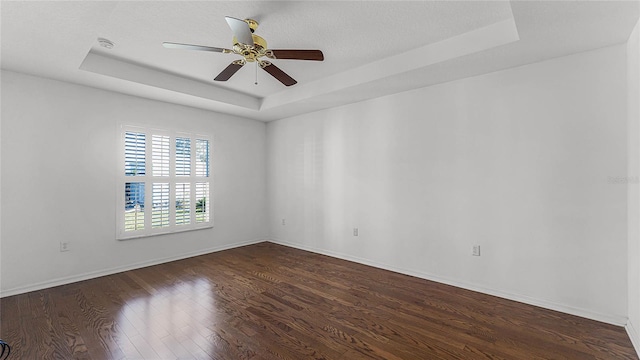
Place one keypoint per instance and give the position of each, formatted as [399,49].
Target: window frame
[149,179]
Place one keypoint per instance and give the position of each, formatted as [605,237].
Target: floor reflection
[175,317]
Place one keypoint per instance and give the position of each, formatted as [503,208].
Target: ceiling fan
[252,48]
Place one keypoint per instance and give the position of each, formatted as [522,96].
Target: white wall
[518,161]
[0,188]
[59,159]
[633,216]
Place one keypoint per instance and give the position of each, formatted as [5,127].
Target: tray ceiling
[371,48]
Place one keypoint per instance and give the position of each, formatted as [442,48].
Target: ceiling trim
[481,39]
[99,63]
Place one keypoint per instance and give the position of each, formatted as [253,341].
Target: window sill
[160,233]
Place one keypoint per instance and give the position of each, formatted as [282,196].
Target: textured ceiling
[349,33]
[371,48]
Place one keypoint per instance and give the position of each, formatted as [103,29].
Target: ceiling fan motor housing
[251,52]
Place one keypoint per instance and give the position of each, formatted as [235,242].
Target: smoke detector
[106,43]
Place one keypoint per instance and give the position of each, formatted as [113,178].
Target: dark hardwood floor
[267,301]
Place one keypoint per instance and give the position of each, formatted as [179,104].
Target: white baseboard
[634,335]
[618,320]
[99,273]
[610,319]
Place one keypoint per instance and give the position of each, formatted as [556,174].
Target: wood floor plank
[267,301]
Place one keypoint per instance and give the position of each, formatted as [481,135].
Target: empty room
[320,180]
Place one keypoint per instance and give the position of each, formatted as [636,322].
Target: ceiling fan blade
[277,73]
[171,45]
[315,55]
[240,29]
[230,70]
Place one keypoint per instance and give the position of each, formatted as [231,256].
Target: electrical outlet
[284,222]
[355,231]
[64,246]
[476,250]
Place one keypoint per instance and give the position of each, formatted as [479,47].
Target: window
[165,182]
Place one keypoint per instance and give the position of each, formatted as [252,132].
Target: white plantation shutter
[202,158]
[183,156]
[202,202]
[134,206]
[134,153]
[183,203]
[160,149]
[160,205]
[173,193]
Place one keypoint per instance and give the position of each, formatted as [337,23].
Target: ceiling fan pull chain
[256,73]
